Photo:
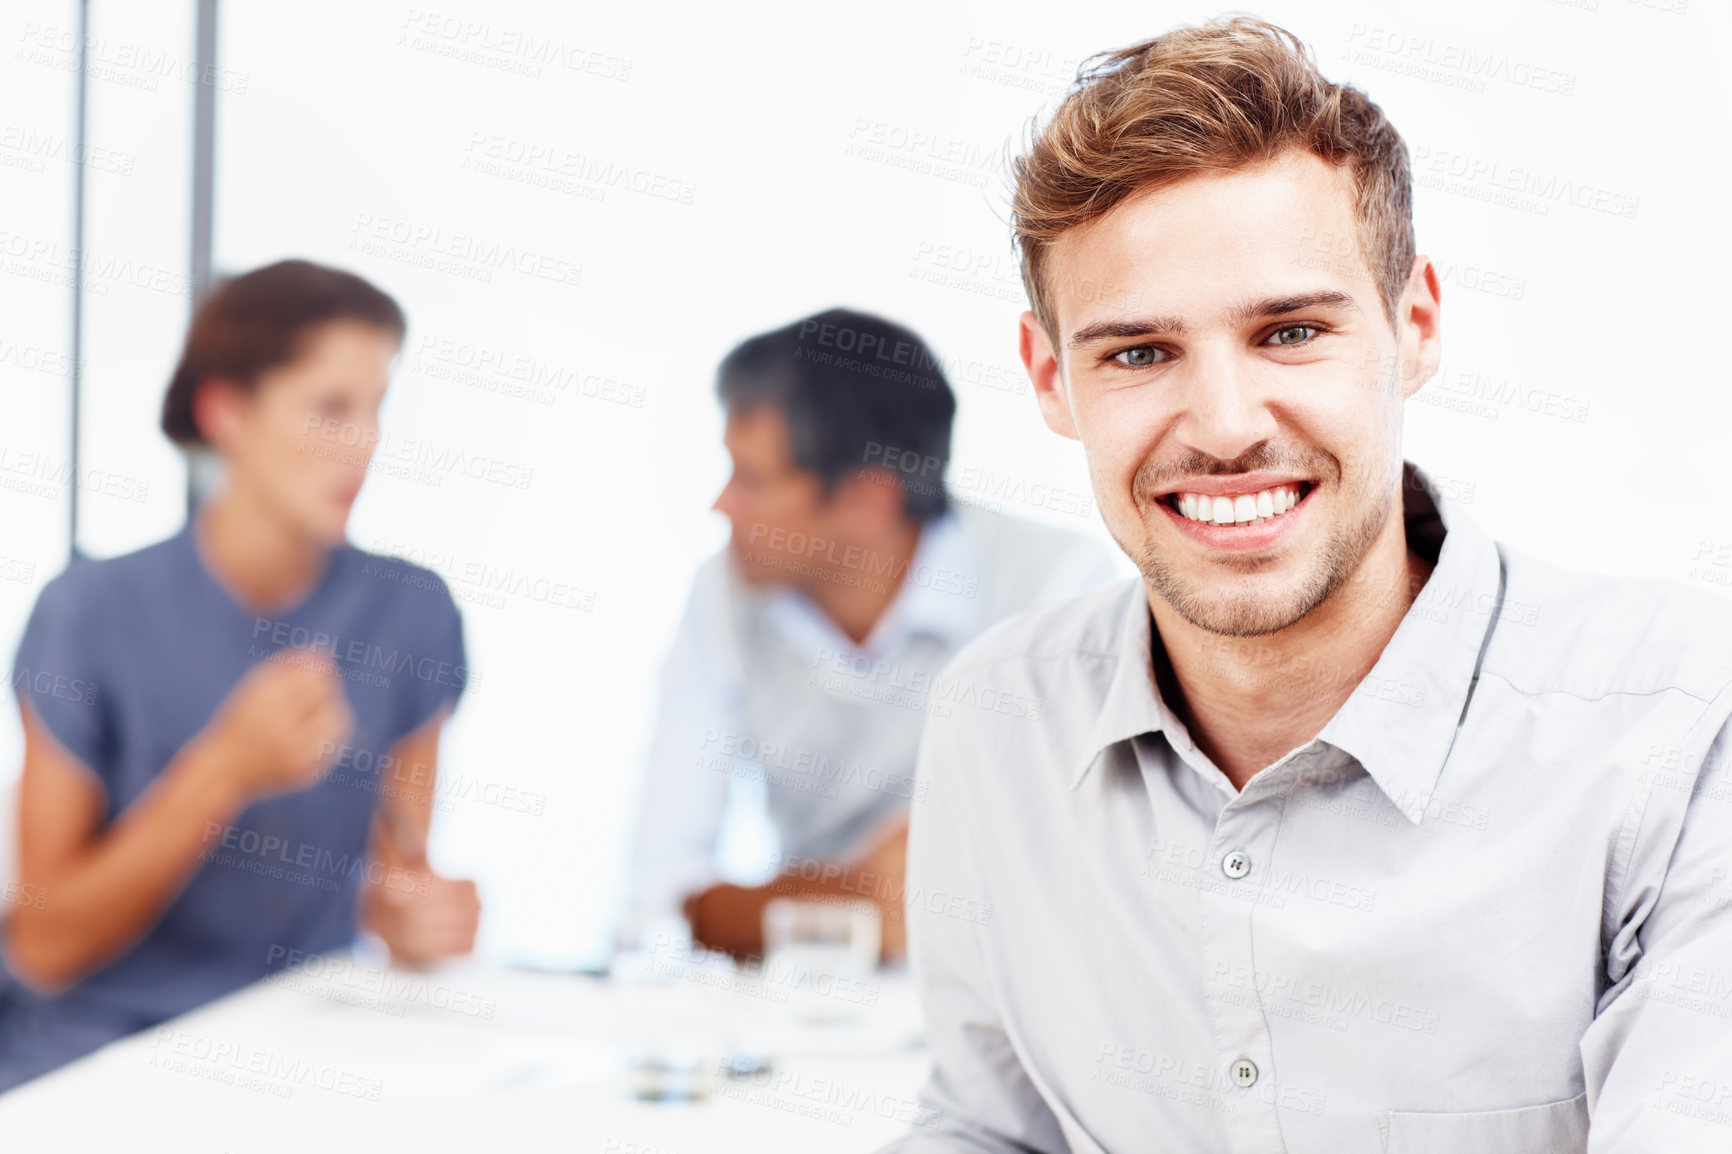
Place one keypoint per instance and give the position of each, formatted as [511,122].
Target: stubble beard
[1250,613]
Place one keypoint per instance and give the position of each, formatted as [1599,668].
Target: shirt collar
[1133,704]
[1401,720]
[946,557]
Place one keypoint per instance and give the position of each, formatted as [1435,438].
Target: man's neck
[1248,701]
[855,596]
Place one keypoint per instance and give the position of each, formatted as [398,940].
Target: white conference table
[341,1056]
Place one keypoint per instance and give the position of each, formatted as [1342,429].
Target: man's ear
[1419,340]
[1050,390]
[873,492]
[216,410]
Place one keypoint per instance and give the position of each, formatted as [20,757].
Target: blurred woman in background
[231,735]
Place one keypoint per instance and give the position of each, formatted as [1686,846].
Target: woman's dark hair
[259,321]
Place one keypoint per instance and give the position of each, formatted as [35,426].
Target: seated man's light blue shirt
[760,685]
[1487,910]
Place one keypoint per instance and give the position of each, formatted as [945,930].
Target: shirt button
[1244,1073]
[1236,865]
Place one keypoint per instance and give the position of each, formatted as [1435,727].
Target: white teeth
[1245,509]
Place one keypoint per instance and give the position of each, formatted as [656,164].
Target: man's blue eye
[1140,357]
[1281,334]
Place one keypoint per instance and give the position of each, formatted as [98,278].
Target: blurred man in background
[809,651]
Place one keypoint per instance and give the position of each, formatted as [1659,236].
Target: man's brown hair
[1220,95]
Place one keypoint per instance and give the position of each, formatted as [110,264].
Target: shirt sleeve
[978,1097]
[683,793]
[58,673]
[1657,1058]
[443,674]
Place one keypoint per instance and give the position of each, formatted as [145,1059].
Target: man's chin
[1230,614]
[1243,618]
[1256,603]
[748,572]
[1225,603]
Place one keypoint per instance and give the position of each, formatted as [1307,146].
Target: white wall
[37,161]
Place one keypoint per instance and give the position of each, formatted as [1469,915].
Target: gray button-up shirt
[1488,910]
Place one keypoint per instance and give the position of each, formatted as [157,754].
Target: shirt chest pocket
[1553,1128]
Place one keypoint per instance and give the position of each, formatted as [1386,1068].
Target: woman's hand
[280,729]
[421,915]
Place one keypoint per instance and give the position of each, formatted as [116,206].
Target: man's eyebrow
[1145,327]
[1159,326]
[1281,306]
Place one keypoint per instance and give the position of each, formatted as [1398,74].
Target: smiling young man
[1346,828]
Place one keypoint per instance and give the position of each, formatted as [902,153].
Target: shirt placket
[1232,888]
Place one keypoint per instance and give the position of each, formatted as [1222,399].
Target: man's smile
[1237,521]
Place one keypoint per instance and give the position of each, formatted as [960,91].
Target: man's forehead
[760,430]
[757,419]
[1211,241]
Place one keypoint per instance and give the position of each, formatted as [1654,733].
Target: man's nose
[1226,408]
[724,502]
